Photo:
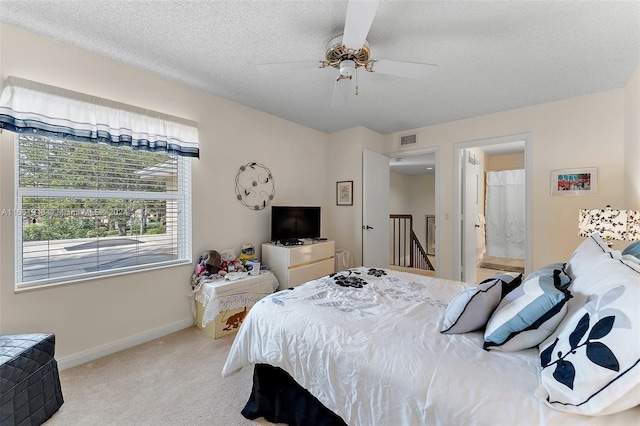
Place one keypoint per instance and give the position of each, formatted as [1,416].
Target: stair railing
[406,249]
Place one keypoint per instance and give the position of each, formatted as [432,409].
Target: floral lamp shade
[633,225]
[611,224]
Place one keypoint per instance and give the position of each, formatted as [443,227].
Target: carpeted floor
[174,380]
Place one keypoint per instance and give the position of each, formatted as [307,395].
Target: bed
[370,346]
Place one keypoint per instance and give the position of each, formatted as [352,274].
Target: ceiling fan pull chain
[356,82]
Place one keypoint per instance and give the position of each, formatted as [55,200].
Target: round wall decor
[255,187]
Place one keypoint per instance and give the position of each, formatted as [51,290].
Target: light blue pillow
[633,249]
[527,315]
[556,271]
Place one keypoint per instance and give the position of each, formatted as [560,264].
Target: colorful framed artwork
[344,193]
[574,181]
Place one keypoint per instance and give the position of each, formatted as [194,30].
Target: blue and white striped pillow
[555,270]
[527,315]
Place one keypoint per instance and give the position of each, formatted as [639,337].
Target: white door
[375,209]
[471,172]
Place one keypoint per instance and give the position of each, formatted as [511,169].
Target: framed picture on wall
[344,193]
[574,181]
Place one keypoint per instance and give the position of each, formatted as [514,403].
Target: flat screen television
[294,222]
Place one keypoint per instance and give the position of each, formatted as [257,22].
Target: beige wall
[345,163]
[422,201]
[504,162]
[632,143]
[400,187]
[96,317]
[565,134]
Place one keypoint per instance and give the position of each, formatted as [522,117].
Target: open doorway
[480,254]
[414,191]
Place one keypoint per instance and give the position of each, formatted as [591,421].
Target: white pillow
[591,363]
[527,315]
[471,309]
[585,254]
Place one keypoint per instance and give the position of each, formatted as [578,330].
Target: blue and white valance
[28,106]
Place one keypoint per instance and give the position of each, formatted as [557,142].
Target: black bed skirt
[279,399]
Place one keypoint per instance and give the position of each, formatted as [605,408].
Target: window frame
[182,239]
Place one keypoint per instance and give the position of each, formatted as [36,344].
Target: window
[89,209]
[102,187]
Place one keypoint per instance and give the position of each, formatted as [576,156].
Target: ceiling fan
[350,51]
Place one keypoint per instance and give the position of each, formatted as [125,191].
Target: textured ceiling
[491,56]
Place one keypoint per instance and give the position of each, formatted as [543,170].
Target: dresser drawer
[301,274]
[310,253]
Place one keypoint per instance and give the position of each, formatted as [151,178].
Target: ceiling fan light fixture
[347,68]
[336,52]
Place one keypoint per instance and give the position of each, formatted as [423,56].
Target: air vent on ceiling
[408,140]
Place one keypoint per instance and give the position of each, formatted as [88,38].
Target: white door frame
[457,200]
[438,214]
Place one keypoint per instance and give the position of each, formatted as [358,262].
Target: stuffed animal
[211,261]
[208,266]
[247,253]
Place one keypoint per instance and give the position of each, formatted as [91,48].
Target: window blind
[88,210]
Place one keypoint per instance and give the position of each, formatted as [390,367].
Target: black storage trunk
[30,390]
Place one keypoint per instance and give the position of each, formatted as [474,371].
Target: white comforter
[374,355]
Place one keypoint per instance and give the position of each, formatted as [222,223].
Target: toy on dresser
[232,263]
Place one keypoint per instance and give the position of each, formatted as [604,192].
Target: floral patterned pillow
[591,363]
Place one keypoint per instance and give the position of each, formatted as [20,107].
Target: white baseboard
[119,345]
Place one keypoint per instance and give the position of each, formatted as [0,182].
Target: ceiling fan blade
[402,69]
[360,15]
[342,91]
[290,66]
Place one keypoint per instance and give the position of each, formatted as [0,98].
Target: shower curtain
[505,214]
